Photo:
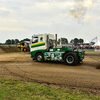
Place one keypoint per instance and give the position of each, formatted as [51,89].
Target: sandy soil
[83,77]
[9,49]
[1,51]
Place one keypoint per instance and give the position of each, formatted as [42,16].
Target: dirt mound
[1,51]
[9,49]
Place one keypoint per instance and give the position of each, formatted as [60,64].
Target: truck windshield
[35,40]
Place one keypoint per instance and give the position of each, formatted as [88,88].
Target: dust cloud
[80,9]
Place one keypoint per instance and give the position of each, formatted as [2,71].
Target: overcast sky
[68,18]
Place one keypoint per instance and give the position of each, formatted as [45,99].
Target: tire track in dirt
[58,80]
[26,77]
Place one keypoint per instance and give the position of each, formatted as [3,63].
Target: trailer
[43,47]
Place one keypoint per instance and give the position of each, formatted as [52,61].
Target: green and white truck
[43,47]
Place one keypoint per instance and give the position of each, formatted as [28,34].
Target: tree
[76,41]
[8,41]
[63,41]
[81,40]
[25,40]
[16,41]
[12,41]
[1,43]
[72,41]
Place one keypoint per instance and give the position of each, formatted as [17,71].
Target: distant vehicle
[24,46]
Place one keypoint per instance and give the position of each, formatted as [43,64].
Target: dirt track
[84,77]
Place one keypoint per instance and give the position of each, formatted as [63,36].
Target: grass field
[18,90]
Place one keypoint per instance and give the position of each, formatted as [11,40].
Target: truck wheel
[39,57]
[71,59]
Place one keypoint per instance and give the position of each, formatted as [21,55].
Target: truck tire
[39,57]
[71,58]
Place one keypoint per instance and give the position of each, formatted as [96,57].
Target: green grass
[17,90]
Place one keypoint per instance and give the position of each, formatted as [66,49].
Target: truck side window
[35,40]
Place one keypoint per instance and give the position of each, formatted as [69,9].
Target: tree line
[15,41]
[74,41]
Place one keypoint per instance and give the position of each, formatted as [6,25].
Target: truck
[43,47]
